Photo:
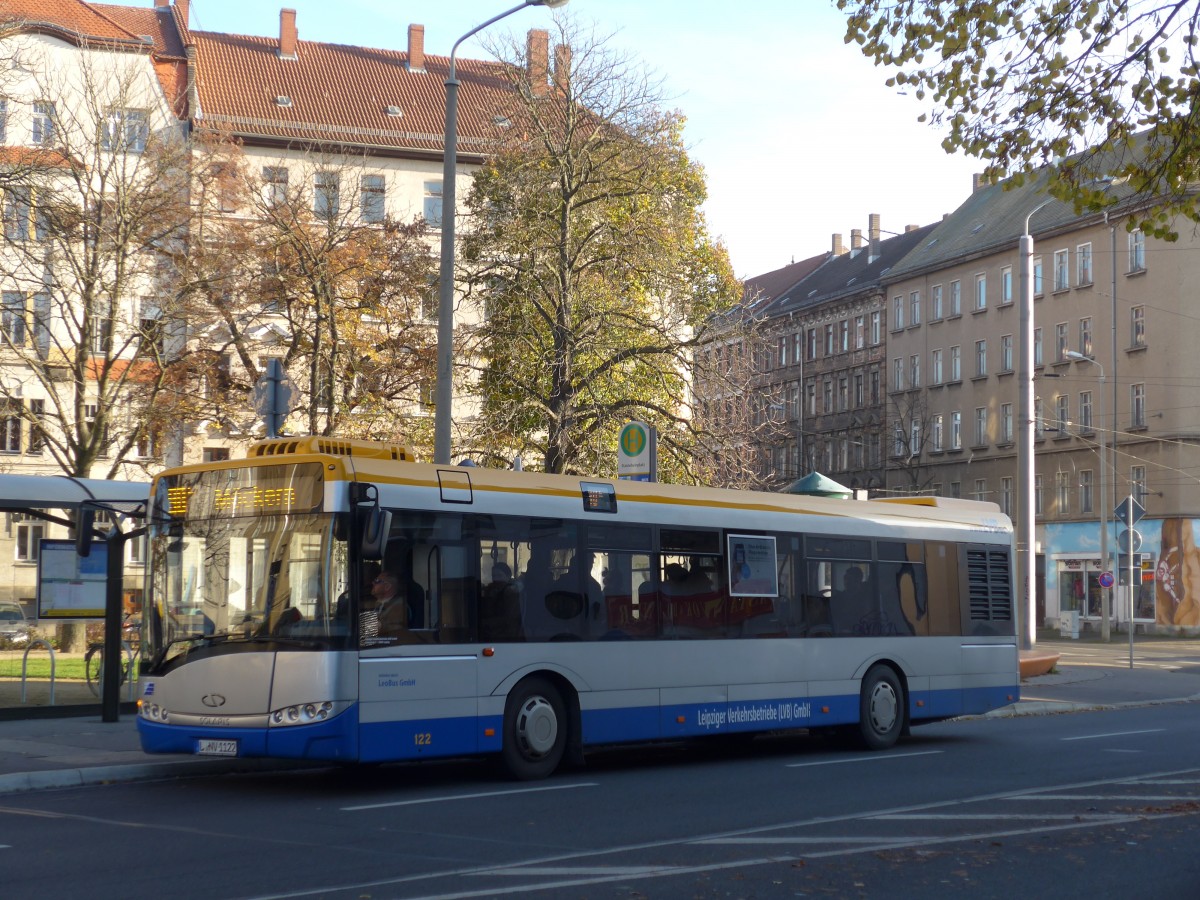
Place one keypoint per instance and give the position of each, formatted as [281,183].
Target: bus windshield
[226,576]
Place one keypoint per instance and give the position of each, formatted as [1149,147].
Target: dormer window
[501,121]
[283,100]
[395,112]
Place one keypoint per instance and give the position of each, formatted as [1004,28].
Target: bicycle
[93,666]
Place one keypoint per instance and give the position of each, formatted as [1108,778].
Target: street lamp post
[445,355]
[1105,600]
[1026,551]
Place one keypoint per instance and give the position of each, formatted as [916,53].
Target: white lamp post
[1105,599]
[445,355]
[1026,550]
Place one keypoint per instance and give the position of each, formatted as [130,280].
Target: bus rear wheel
[535,730]
[881,708]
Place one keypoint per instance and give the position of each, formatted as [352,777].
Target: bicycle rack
[25,667]
[130,670]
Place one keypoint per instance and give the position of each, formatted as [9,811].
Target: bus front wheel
[881,708]
[535,730]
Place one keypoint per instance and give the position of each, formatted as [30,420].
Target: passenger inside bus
[500,606]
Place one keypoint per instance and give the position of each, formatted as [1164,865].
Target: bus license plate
[207,747]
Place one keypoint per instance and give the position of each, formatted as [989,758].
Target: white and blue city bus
[547,614]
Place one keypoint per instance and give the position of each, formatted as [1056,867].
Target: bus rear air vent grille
[989,578]
[330,446]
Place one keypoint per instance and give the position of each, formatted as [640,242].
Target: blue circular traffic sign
[1106,579]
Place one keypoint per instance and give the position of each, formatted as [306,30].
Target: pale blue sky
[797,131]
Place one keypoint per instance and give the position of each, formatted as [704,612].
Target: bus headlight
[152,712]
[302,713]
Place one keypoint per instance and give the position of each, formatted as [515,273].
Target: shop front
[1076,578]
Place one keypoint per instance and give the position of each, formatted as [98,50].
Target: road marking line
[1114,798]
[630,871]
[857,759]
[877,839]
[1073,817]
[532,790]
[1093,737]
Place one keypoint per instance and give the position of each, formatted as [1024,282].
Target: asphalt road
[1103,803]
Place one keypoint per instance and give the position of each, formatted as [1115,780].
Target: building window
[898,373]
[829,338]
[936,427]
[876,327]
[43,123]
[935,366]
[125,131]
[1085,336]
[1137,326]
[980,292]
[860,391]
[1039,418]
[898,440]
[956,489]
[897,312]
[914,370]
[433,204]
[1062,493]
[1085,491]
[827,396]
[1006,495]
[914,308]
[811,344]
[1006,294]
[1039,496]
[1062,277]
[1137,251]
[935,302]
[875,385]
[1137,484]
[1137,406]
[326,199]
[1006,353]
[783,348]
[1085,410]
[1039,287]
[1037,346]
[17,211]
[37,428]
[12,318]
[1006,423]
[981,426]
[372,197]
[1060,342]
[956,363]
[980,491]
[216,454]
[955,299]
[11,419]
[914,438]
[275,182]
[980,358]
[956,430]
[1083,264]
[843,393]
[1062,413]
[28,533]
[810,392]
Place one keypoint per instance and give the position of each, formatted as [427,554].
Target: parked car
[13,626]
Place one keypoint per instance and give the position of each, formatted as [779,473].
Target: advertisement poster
[752,568]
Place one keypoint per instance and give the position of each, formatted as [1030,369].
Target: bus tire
[881,708]
[535,730]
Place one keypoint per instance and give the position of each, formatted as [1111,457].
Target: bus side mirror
[83,531]
[377,524]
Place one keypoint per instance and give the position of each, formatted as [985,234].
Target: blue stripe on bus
[343,738]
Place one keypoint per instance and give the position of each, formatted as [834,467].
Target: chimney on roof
[977,181]
[856,240]
[562,67]
[416,48]
[873,236]
[193,101]
[838,249]
[538,60]
[182,6]
[159,4]
[287,34]
[910,228]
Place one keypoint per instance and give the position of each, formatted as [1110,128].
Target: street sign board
[1106,579]
[635,452]
[1129,510]
[1130,541]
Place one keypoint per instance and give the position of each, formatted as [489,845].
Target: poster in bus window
[752,568]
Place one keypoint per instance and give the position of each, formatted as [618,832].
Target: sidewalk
[71,751]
